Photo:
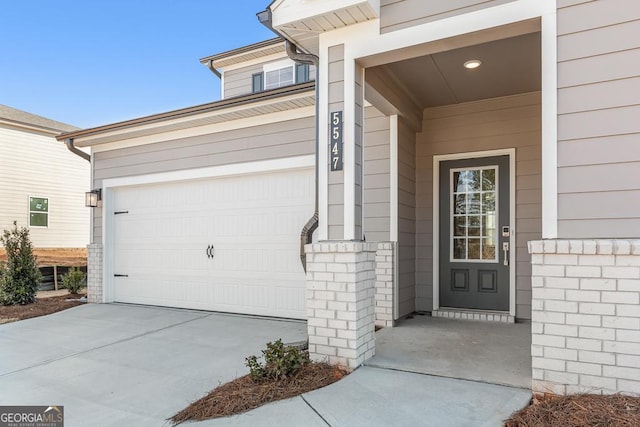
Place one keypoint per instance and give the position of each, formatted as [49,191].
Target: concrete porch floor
[496,353]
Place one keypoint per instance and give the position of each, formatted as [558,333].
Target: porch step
[478,315]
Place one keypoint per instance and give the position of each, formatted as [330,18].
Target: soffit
[509,66]
[250,55]
[303,21]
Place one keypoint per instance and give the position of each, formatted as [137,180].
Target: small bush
[19,275]
[74,280]
[280,362]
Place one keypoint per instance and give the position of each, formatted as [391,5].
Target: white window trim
[511,152]
[29,211]
[110,185]
[281,83]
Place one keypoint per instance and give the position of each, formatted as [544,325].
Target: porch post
[341,270]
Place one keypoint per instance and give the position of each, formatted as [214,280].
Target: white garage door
[224,244]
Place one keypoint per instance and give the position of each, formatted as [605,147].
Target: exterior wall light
[91,198]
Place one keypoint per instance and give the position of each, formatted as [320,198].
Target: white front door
[224,244]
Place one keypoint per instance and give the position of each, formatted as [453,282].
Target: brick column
[94,272]
[586,316]
[384,284]
[340,302]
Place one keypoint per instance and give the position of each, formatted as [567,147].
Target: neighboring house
[42,184]
[476,161]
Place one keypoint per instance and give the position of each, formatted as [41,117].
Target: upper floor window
[282,73]
[278,78]
[38,212]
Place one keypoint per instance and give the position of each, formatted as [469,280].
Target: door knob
[505,249]
[210,251]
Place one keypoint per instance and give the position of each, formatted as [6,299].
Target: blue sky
[87,63]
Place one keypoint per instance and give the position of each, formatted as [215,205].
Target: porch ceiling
[509,66]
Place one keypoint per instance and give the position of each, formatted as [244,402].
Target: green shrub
[280,362]
[19,275]
[74,280]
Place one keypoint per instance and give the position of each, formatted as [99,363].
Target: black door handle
[210,251]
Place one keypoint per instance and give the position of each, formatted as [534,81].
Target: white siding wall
[34,164]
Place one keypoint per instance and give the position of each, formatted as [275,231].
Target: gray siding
[336,178]
[376,176]
[271,141]
[598,126]
[358,149]
[398,14]
[238,82]
[510,122]
[406,218]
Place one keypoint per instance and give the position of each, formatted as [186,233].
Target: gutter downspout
[213,69]
[69,143]
[306,235]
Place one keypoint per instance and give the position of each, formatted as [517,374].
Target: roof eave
[198,109]
[240,50]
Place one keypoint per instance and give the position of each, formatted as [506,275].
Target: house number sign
[336,141]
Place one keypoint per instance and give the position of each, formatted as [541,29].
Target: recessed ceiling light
[472,64]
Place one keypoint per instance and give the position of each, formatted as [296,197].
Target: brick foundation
[586,316]
[94,272]
[340,302]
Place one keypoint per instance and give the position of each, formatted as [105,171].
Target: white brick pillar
[340,302]
[585,316]
[94,272]
[384,284]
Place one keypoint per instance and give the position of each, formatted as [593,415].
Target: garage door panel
[261,298]
[252,221]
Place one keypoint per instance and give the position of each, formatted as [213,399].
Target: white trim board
[323,144]
[511,152]
[109,185]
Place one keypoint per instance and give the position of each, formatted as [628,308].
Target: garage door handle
[210,251]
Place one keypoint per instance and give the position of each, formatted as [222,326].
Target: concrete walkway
[113,365]
[496,353]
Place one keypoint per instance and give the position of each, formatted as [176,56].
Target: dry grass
[68,257]
[243,394]
[42,306]
[583,410]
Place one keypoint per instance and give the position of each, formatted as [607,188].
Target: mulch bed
[243,394]
[584,410]
[42,306]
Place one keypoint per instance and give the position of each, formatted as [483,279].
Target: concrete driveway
[114,365]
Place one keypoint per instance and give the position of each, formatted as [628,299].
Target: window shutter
[302,73]
[257,83]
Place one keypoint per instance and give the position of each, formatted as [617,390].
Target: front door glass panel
[474,218]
